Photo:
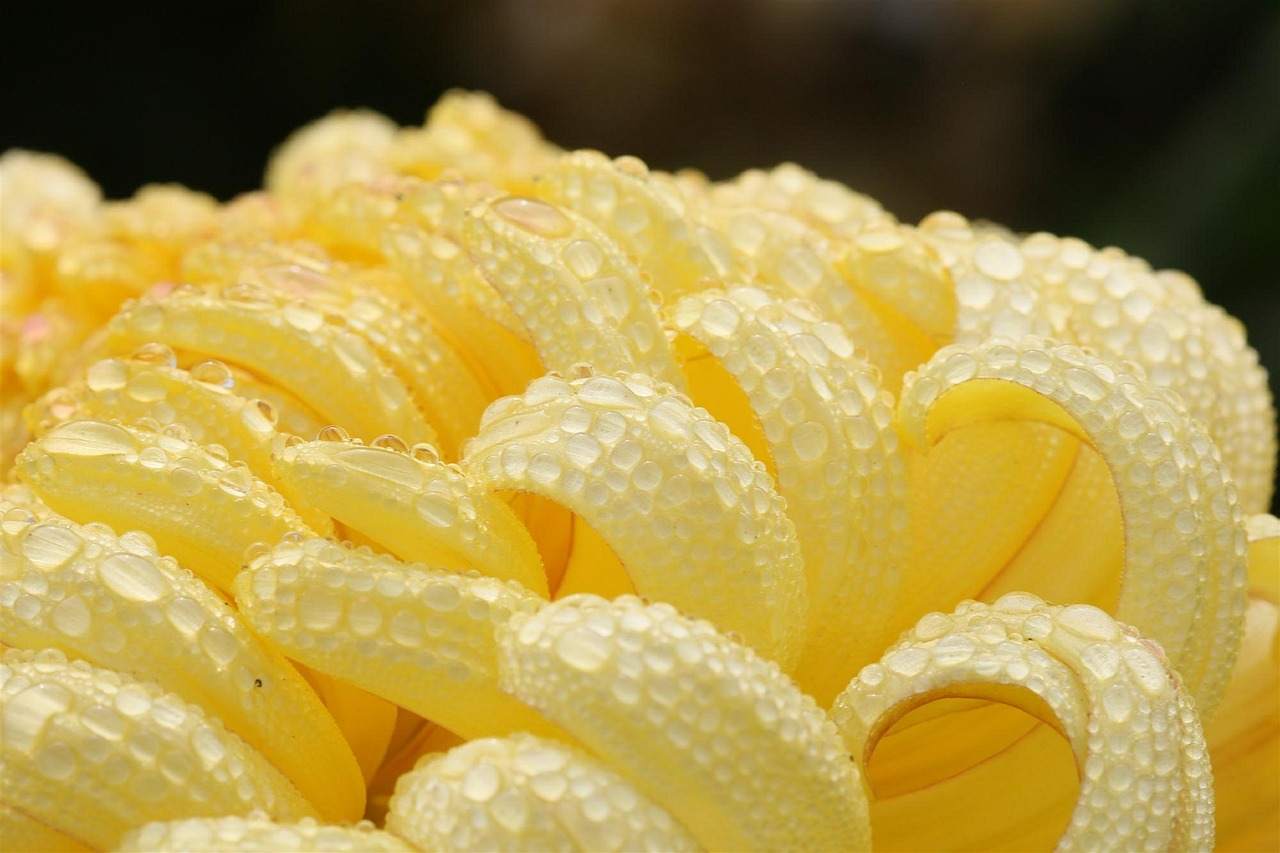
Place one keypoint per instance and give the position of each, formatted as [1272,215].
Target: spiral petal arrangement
[512,498]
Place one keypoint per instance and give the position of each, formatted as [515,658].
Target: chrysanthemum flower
[458,492]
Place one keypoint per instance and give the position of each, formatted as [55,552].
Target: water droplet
[390,442]
[72,617]
[909,661]
[582,650]
[258,416]
[333,433]
[26,714]
[236,482]
[383,464]
[1100,659]
[1085,383]
[302,316]
[132,577]
[48,546]
[318,609]
[480,783]
[810,441]
[213,373]
[721,318]
[999,260]
[88,438]
[107,375]
[219,644]
[1089,622]
[583,258]
[155,353]
[56,761]
[185,481]
[153,458]
[534,216]
[439,510]
[425,453]
[406,628]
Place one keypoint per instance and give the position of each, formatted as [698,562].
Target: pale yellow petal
[258,834]
[1137,740]
[579,295]
[414,506]
[828,429]
[693,518]
[1184,545]
[330,366]
[527,793]
[419,637]
[200,509]
[92,753]
[88,593]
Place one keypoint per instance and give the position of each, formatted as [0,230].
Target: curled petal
[469,134]
[648,218]
[527,793]
[420,637]
[799,261]
[203,401]
[826,205]
[258,834]
[92,753]
[712,732]
[575,290]
[692,517]
[82,590]
[331,367]
[415,506]
[827,430]
[1137,740]
[1184,562]
[199,509]
[335,150]
[1244,735]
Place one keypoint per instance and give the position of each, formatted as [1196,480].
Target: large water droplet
[132,577]
[536,217]
[49,546]
[582,649]
[384,464]
[88,438]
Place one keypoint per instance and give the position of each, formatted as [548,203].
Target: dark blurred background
[1154,126]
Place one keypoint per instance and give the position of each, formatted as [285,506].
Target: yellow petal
[255,834]
[414,506]
[1136,738]
[527,793]
[332,368]
[713,733]
[92,753]
[828,206]
[575,290]
[20,831]
[419,637]
[829,431]
[471,135]
[85,591]
[646,217]
[204,401]
[1244,736]
[692,517]
[1183,582]
[199,509]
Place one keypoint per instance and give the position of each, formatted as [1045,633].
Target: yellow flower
[642,511]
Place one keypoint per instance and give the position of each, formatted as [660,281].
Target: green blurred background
[1154,126]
